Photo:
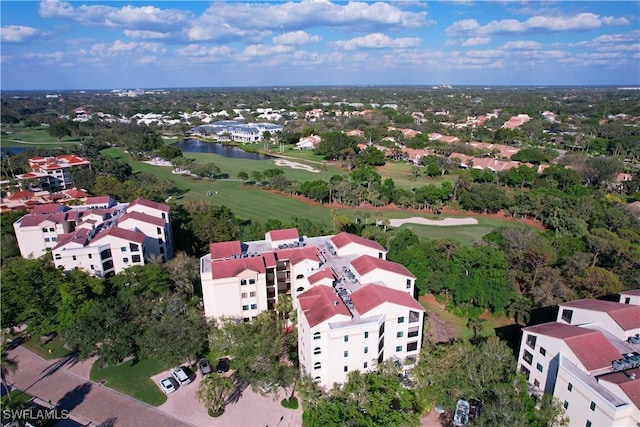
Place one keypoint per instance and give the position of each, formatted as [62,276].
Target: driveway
[65,383]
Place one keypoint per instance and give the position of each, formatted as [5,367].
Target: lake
[196,146]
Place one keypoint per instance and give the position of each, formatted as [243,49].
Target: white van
[181,375]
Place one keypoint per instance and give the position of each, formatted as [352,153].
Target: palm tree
[213,392]
[477,326]
[520,309]
[6,365]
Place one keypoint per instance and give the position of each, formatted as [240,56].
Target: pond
[196,146]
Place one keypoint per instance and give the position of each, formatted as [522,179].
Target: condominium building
[53,173]
[102,236]
[588,359]
[354,307]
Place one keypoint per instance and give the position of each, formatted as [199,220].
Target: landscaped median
[132,378]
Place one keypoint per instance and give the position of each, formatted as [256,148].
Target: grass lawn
[17,396]
[400,173]
[467,234]
[37,135]
[132,378]
[54,349]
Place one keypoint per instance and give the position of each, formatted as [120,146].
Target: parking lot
[246,409]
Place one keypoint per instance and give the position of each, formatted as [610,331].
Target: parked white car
[168,385]
[181,375]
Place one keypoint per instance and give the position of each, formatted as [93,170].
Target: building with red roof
[53,173]
[102,237]
[344,290]
[588,360]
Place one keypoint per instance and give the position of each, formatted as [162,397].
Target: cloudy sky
[55,44]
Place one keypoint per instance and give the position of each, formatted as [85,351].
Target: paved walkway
[65,382]
[60,382]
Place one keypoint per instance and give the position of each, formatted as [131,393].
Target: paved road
[88,401]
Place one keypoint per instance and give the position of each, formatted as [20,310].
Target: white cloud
[263,50]
[579,22]
[489,53]
[521,45]
[476,41]
[119,47]
[16,33]
[612,20]
[296,38]
[145,34]
[377,41]
[143,17]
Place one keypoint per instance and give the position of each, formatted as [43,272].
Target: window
[536,383]
[317,380]
[531,341]
[412,346]
[125,260]
[408,283]
[398,348]
[365,365]
[346,368]
[317,365]
[47,239]
[592,406]
[44,229]
[252,294]
[73,257]
[539,367]
[54,239]
[163,216]
[299,276]
[58,256]
[627,300]
[528,357]
[366,334]
[316,336]
[243,295]
[346,338]
[414,316]
[399,334]
[567,315]
[158,230]
[51,229]
[588,424]
[245,307]
[254,306]
[380,255]
[570,387]
[346,353]
[525,371]
[565,405]
[133,247]
[366,350]
[252,281]
[90,256]
[135,258]
[413,332]
[401,319]
[317,350]
[543,351]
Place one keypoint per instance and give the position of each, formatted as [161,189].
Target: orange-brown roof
[365,264]
[342,239]
[285,234]
[321,303]
[220,250]
[232,267]
[371,296]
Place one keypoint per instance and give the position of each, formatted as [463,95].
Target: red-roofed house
[320,274]
[621,320]
[54,173]
[630,297]
[346,243]
[577,360]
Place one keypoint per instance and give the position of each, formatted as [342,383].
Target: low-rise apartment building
[354,307]
[587,360]
[102,237]
[53,173]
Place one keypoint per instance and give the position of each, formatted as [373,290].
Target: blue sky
[55,44]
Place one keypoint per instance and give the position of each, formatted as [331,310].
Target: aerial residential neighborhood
[319,213]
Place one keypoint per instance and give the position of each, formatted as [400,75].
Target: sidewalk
[61,382]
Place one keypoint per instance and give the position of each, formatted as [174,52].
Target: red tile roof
[342,239]
[269,259]
[321,303]
[150,204]
[627,316]
[232,267]
[371,296]
[97,200]
[19,195]
[632,389]
[80,236]
[318,276]
[121,233]
[635,292]
[36,220]
[47,208]
[286,234]
[77,194]
[308,253]
[365,264]
[142,217]
[591,347]
[220,250]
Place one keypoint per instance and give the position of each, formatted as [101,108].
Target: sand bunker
[295,165]
[440,222]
